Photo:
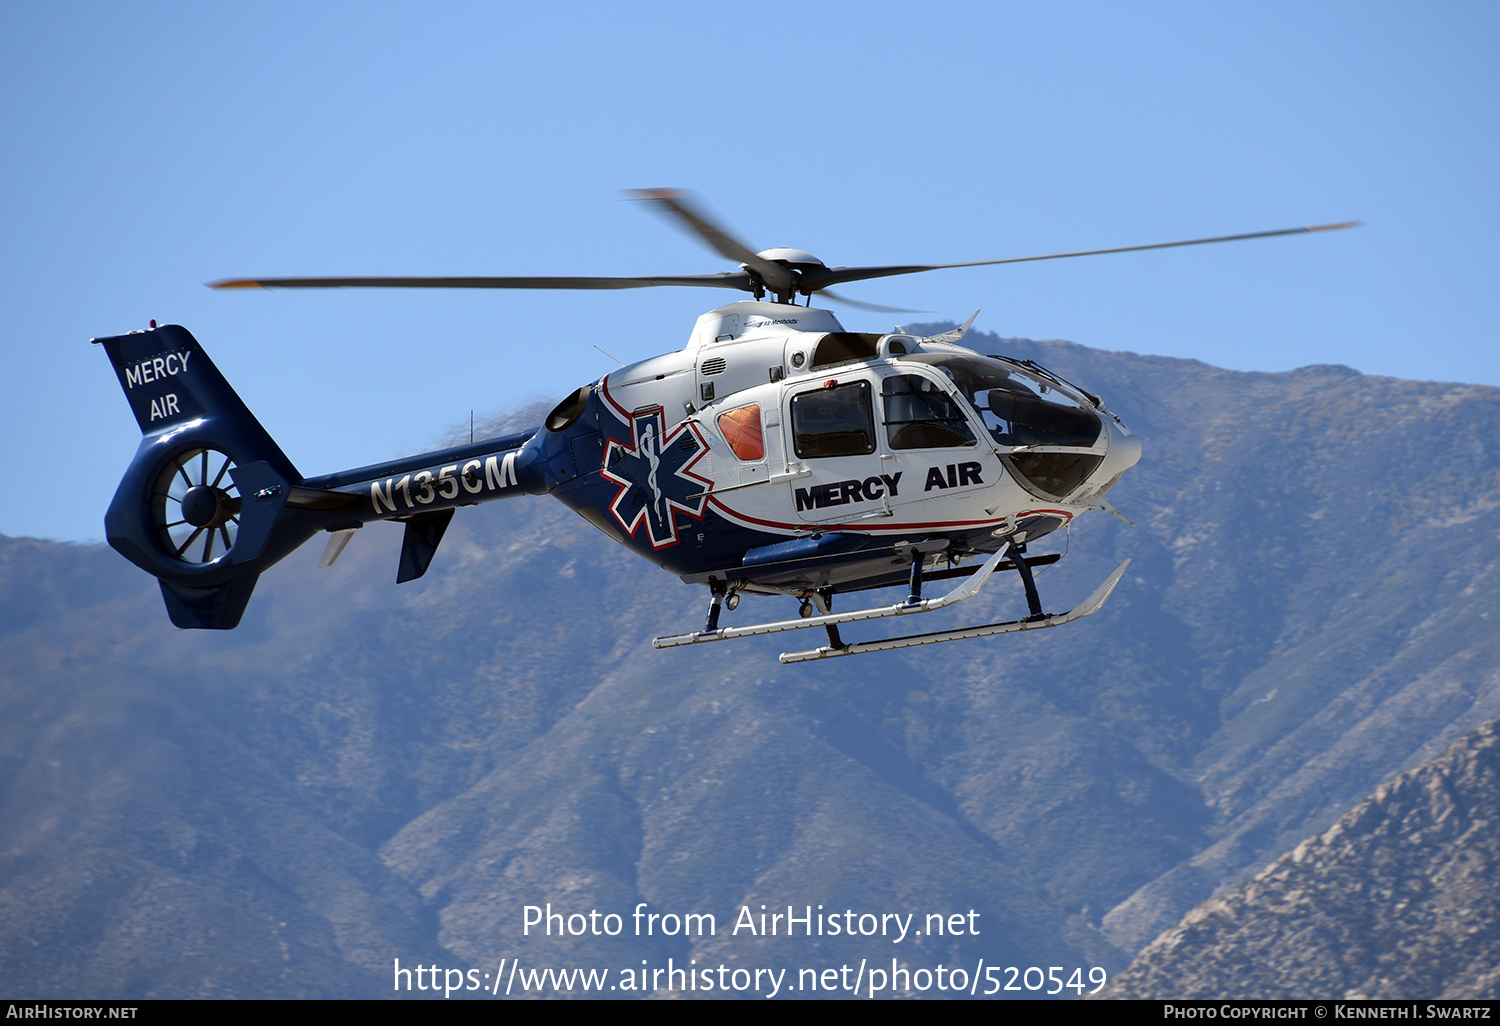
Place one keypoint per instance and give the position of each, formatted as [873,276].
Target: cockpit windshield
[1022,409]
[1019,408]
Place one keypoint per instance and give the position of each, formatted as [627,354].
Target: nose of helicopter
[1124,453]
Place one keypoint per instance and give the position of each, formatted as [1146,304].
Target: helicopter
[775,454]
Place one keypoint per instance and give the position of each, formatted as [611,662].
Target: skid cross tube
[1033,600]
[716,591]
[823,600]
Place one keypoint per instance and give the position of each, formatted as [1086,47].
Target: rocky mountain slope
[363,771]
[1395,900]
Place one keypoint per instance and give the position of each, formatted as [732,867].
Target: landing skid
[913,604]
[1089,605]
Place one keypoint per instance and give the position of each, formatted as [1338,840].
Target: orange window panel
[741,429]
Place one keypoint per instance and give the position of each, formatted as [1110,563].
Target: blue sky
[148,148]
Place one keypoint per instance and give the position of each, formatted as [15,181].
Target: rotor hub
[203,506]
[793,258]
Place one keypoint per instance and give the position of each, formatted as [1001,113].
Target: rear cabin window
[921,415]
[835,421]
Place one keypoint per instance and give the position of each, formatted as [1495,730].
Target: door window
[835,420]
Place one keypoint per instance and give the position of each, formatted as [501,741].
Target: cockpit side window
[921,415]
[834,421]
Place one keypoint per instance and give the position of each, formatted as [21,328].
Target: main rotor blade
[861,305]
[675,203]
[817,279]
[727,280]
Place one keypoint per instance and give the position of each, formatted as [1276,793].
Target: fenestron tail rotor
[196,506]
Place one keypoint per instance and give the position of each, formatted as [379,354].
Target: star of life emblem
[655,476]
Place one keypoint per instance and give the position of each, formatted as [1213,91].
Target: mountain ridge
[1395,900]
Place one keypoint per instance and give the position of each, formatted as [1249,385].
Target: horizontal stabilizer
[319,499]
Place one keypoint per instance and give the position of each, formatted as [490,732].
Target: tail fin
[202,505]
